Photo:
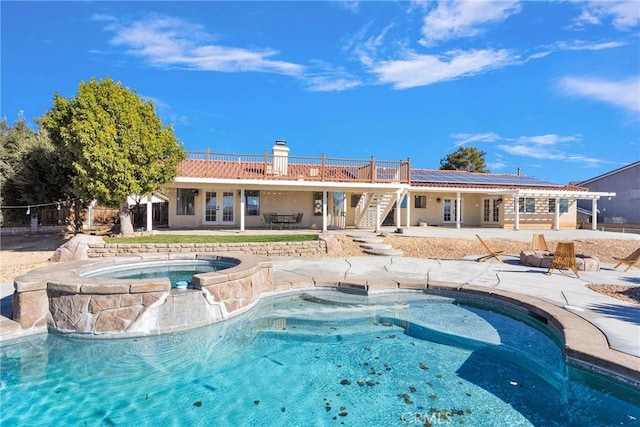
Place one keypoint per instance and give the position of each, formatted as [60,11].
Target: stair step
[368,239]
[384,252]
[376,246]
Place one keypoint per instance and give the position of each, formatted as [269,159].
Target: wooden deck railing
[209,164]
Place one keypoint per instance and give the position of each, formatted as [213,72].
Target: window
[420,202]
[252,202]
[527,205]
[564,205]
[317,203]
[185,202]
[339,203]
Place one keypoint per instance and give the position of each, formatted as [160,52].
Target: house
[625,182]
[237,190]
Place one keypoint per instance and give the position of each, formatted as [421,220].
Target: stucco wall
[625,206]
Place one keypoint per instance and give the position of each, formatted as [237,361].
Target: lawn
[186,238]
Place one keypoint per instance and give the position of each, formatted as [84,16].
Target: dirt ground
[20,253]
[25,252]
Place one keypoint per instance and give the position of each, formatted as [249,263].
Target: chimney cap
[281,142]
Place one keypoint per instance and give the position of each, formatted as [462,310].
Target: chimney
[280,157]
[518,171]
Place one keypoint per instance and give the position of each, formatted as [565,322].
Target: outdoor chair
[630,261]
[564,257]
[538,243]
[268,219]
[490,252]
[298,221]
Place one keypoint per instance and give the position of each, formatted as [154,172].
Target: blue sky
[552,88]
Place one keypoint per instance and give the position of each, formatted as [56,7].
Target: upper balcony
[207,164]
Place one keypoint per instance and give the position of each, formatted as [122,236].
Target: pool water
[175,270]
[315,359]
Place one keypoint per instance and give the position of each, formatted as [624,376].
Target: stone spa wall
[64,300]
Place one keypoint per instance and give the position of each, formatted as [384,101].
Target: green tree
[29,169]
[468,159]
[114,143]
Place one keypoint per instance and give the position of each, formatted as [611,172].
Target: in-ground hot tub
[177,271]
[69,299]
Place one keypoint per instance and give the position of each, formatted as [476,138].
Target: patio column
[408,222]
[398,213]
[377,229]
[149,213]
[242,207]
[594,214]
[556,226]
[324,211]
[458,209]
[516,203]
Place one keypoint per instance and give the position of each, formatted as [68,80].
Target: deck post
[265,164]
[373,169]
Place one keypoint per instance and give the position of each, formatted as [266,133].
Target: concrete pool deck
[618,321]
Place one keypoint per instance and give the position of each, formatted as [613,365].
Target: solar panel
[456,177]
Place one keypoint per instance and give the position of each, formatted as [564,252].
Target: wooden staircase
[373,208]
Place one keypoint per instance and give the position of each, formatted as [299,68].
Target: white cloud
[468,138]
[170,42]
[536,152]
[624,15]
[623,94]
[548,147]
[352,6]
[548,139]
[102,17]
[366,48]
[545,147]
[496,166]
[422,70]
[332,83]
[457,19]
[587,45]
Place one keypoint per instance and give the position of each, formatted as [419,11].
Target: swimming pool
[321,358]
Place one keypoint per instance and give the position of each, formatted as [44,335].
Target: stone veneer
[65,301]
[306,249]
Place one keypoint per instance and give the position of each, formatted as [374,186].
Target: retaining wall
[302,249]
